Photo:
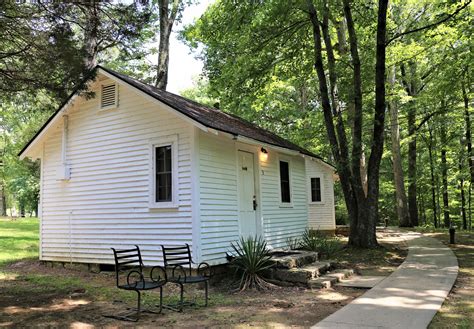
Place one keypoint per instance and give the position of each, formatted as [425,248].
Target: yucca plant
[293,243]
[316,241]
[252,258]
[310,240]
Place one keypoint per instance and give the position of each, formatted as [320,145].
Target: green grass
[19,239]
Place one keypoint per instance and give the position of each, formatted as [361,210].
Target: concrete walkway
[410,296]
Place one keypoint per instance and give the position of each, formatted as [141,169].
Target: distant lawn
[19,239]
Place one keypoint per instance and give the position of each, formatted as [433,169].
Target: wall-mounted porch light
[263,154]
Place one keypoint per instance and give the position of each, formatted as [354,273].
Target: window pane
[316,189]
[163,174]
[285,182]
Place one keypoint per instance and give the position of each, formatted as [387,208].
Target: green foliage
[200,92]
[293,243]
[22,115]
[310,240]
[326,245]
[251,260]
[43,51]
[259,61]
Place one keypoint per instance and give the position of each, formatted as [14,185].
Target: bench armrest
[135,273]
[204,269]
[178,273]
[158,274]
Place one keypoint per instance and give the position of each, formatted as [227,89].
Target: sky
[183,65]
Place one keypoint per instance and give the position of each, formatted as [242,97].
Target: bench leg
[181,294]
[207,292]
[131,316]
[161,299]
[134,315]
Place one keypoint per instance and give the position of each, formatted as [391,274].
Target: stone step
[361,282]
[330,279]
[293,258]
[301,274]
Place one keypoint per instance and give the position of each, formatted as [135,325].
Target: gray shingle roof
[211,117]
[207,116]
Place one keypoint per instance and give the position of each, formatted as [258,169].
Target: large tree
[249,32]
[249,45]
[46,49]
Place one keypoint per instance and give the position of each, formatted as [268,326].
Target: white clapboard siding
[281,222]
[321,216]
[105,202]
[218,195]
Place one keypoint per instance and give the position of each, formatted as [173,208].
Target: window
[316,189]
[163,188]
[164,174]
[108,96]
[285,182]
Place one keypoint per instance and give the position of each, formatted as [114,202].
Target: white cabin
[135,165]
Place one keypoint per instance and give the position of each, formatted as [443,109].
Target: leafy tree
[46,49]
[248,48]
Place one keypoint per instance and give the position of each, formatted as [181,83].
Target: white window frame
[110,107]
[172,141]
[288,160]
[310,197]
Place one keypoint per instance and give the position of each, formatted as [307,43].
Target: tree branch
[448,17]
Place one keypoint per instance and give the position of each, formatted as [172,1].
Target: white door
[247,195]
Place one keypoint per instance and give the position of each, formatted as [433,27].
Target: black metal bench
[130,261]
[178,260]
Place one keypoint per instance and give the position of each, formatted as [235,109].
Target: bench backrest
[127,259]
[173,256]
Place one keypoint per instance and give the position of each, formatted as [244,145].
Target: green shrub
[251,260]
[314,240]
[293,243]
[330,246]
[310,240]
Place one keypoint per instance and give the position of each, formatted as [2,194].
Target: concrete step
[330,279]
[301,274]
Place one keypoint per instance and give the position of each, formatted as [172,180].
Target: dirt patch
[381,261]
[38,295]
[58,297]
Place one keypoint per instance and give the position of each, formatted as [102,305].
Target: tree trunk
[401,198]
[444,174]
[3,203]
[167,18]
[463,203]
[362,208]
[433,181]
[91,35]
[340,159]
[467,120]
[411,89]
[22,209]
[469,207]
[373,168]
[363,234]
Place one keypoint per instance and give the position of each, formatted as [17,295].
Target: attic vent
[108,97]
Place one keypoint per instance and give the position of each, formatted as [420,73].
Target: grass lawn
[45,296]
[18,239]
[458,309]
